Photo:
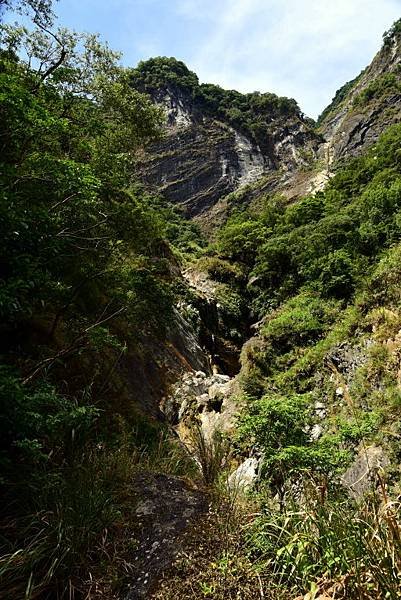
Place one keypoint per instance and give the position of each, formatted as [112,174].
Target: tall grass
[66,525]
[49,546]
[210,452]
[334,546]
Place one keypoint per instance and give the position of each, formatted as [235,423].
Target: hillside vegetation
[251,113]
[87,281]
[92,300]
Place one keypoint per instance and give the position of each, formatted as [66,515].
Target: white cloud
[305,49]
[301,48]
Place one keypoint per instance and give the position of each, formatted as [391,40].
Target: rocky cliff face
[202,159]
[206,154]
[364,108]
[199,162]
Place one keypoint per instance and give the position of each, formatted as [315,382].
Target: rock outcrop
[361,477]
[165,509]
[200,161]
[206,155]
[368,105]
[208,400]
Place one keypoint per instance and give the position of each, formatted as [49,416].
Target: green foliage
[331,544]
[183,234]
[335,274]
[279,426]
[85,275]
[392,33]
[339,96]
[65,219]
[300,321]
[241,237]
[39,11]
[156,73]
[386,278]
[251,113]
[220,270]
[276,422]
[326,242]
[307,210]
[383,85]
[359,427]
[297,376]
[37,423]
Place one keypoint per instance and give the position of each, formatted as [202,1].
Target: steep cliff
[217,141]
[366,106]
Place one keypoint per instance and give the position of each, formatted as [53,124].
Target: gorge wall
[217,142]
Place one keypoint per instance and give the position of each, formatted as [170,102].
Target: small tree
[280,427]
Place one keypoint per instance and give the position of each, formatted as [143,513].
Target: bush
[382,85]
[299,321]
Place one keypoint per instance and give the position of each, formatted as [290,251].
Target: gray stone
[166,506]
[360,477]
[320,410]
[245,476]
[220,378]
[316,432]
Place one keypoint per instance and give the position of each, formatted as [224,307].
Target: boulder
[360,477]
[245,476]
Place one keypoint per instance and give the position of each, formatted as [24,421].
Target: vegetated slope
[97,321]
[90,335]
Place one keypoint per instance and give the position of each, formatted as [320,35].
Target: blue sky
[304,49]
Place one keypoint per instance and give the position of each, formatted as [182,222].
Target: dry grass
[210,453]
[215,562]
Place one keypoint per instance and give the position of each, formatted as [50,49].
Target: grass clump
[210,452]
[333,546]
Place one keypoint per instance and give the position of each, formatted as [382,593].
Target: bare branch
[62,201]
[59,61]
[80,341]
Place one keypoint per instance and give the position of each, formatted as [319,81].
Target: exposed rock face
[165,508]
[251,161]
[246,475]
[195,166]
[354,125]
[179,108]
[214,327]
[208,399]
[360,477]
[347,358]
[202,159]
[149,373]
